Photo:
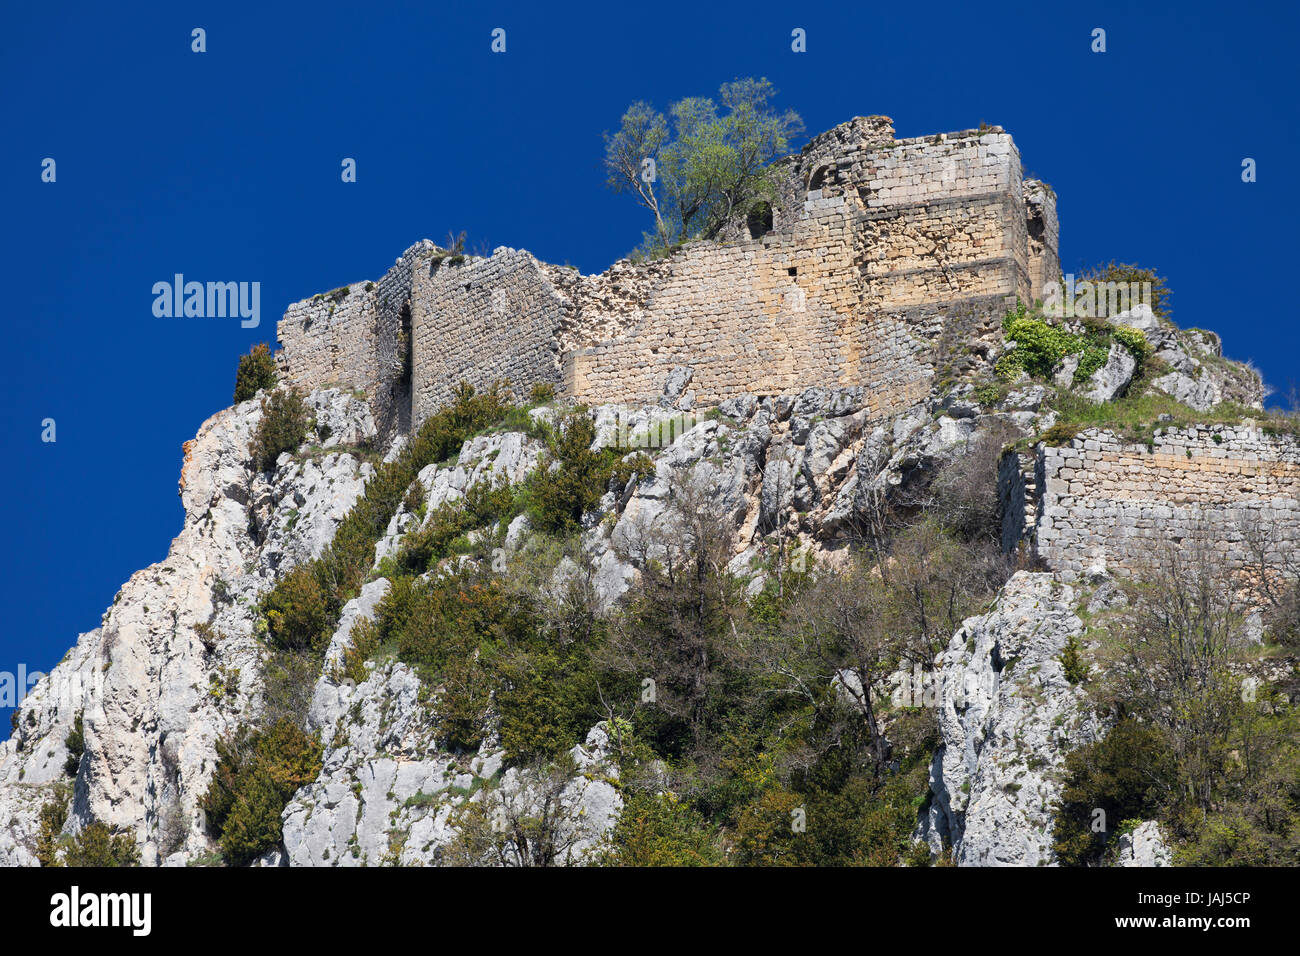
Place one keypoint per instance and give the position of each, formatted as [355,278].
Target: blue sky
[225,166]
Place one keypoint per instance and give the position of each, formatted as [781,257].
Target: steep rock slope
[1008,716]
[152,695]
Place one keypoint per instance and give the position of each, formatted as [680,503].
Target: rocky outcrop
[1007,716]
[175,664]
[389,791]
[1197,375]
[1110,381]
[1143,846]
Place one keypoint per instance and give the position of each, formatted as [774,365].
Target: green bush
[483,504]
[659,829]
[95,845]
[298,612]
[283,427]
[1128,273]
[256,371]
[1128,774]
[1041,346]
[1076,671]
[54,813]
[572,478]
[76,744]
[307,611]
[257,774]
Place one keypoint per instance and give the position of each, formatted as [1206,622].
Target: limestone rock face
[1008,717]
[1109,381]
[174,664]
[1200,393]
[1144,846]
[388,792]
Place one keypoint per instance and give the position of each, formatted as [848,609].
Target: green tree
[659,829]
[709,163]
[257,773]
[297,612]
[76,744]
[1128,774]
[256,371]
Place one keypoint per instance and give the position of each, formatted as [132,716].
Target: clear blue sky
[225,166]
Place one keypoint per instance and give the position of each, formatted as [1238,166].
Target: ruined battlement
[875,251]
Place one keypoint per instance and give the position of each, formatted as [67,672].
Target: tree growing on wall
[702,163]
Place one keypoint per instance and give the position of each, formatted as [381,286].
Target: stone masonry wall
[876,248]
[865,228]
[1104,501]
[359,340]
[483,321]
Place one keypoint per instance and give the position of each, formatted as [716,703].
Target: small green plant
[1076,671]
[96,845]
[54,813]
[1060,434]
[76,744]
[297,612]
[1130,275]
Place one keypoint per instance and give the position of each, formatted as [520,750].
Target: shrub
[1060,434]
[658,829]
[1128,774]
[256,371]
[572,478]
[1039,346]
[297,612]
[76,744]
[307,609]
[283,427]
[98,846]
[1076,671]
[1128,273]
[541,393]
[483,504]
[257,774]
[54,814]
[547,696]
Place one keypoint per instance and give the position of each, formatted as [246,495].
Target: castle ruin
[882,263]
[876,256]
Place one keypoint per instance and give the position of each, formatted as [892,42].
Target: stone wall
[1102,500]
[483,321]
[357,337]
[880,254]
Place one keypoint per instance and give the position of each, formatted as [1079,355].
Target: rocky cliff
[178,662]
